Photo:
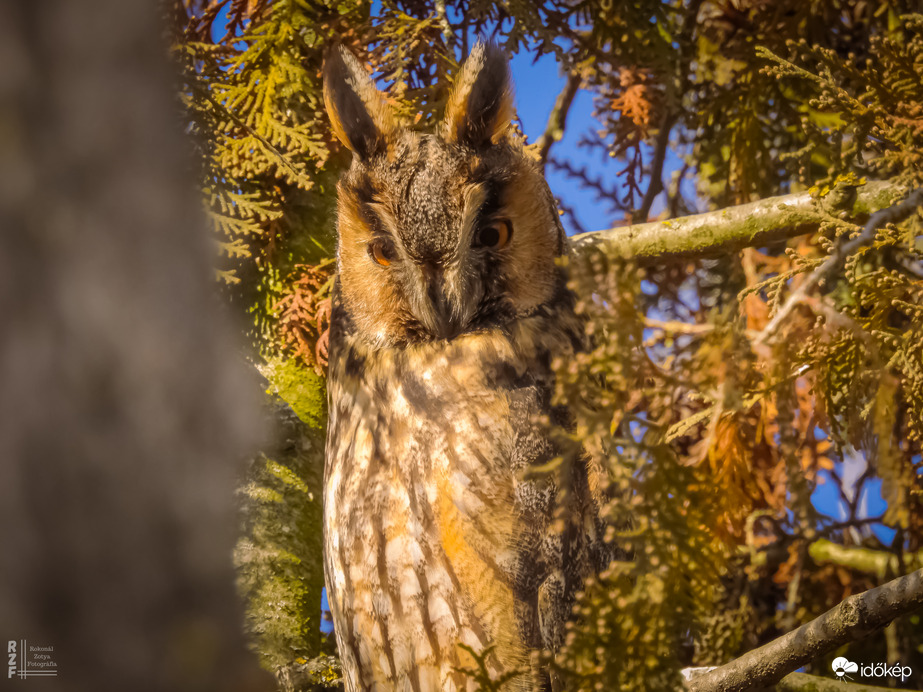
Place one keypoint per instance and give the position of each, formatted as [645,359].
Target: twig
[671,115]
[893,214]
[655,185]
[852,620]
[677,197]
[568,211]
[677,327]
[447,32]
[855,523]
[586,181]
[557,119]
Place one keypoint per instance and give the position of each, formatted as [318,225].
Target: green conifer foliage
[633,623]
[254,101]
[722,391]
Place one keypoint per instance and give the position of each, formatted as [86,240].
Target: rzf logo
[11,650]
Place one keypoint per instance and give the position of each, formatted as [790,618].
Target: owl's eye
[382,251]
[494,235]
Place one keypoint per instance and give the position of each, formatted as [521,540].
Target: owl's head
[439,234]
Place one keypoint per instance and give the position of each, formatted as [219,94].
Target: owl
[448,310]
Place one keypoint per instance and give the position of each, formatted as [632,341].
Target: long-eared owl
[447,312]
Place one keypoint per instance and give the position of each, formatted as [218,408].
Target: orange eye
[494,235]
[382,251]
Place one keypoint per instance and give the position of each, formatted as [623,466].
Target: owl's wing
[561,539]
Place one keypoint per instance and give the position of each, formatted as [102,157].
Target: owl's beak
[443,324]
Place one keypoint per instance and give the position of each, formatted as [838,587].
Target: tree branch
[800,682]
[878,562]
[447,33]
[557,119]
[746,225]
[655,184]
[853,619]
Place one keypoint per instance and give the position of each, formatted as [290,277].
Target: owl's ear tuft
[481,105]
[359,116]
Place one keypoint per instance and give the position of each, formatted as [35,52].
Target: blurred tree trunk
[125,408]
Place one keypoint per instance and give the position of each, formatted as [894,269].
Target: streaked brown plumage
[447,312]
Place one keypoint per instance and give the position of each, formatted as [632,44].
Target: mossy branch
[746,225]
[877,562]
[852,620]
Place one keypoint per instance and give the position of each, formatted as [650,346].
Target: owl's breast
[428,543]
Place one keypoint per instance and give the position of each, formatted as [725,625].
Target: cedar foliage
[716,440]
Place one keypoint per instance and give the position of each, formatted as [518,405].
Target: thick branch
[800,682]
[747,225]
[866,560]
[557,119]
[853,619]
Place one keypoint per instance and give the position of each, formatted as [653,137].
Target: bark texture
[746,225]
[125,404]
[853,619]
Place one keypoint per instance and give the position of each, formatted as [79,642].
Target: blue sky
[537,87]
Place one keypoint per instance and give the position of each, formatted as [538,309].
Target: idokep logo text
[842,667]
